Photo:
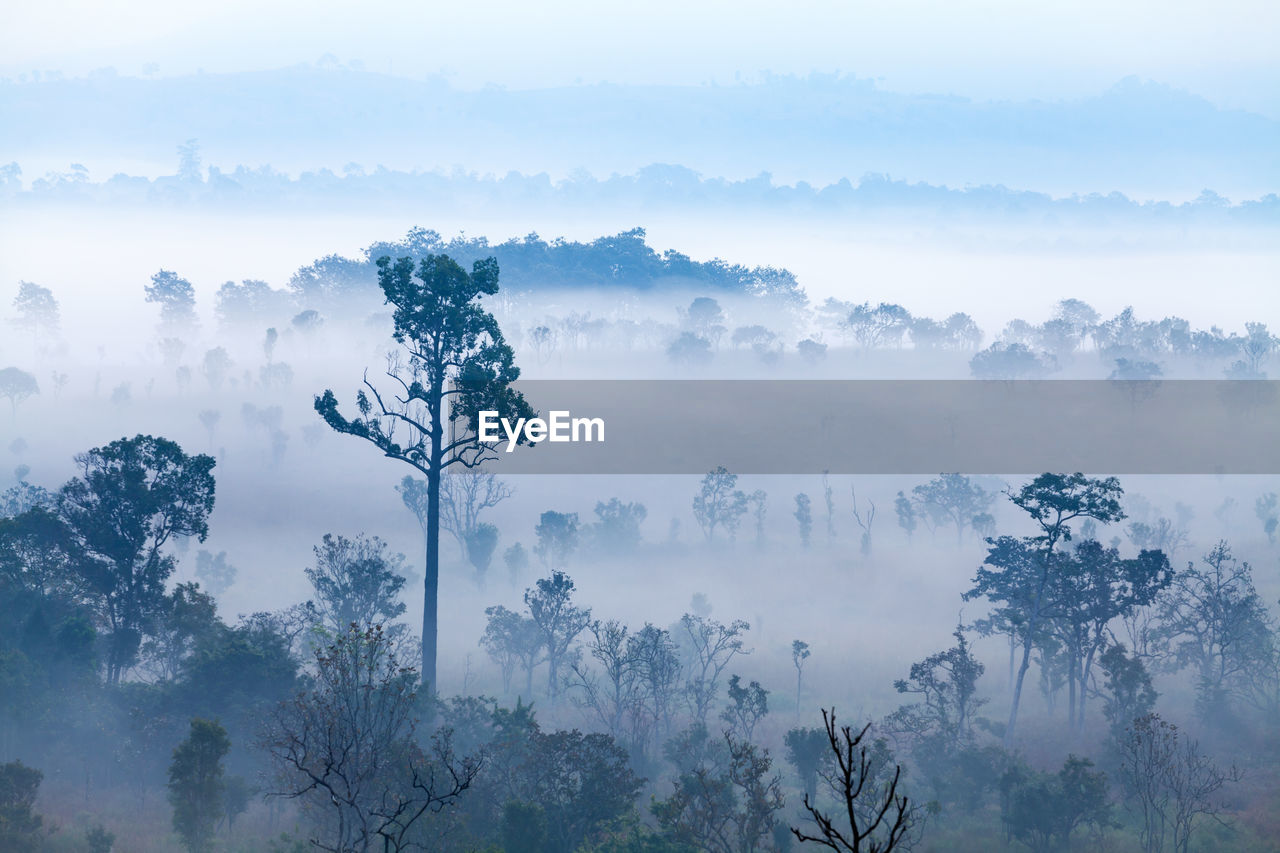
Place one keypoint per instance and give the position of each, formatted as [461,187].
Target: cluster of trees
[1135,347]
[337,294]
[621,261]
[333,704]
[1094,623]
[663,703]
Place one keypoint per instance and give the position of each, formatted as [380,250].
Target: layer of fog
[867,617]
[98,260]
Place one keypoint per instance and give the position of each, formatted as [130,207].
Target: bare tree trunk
[1017,692]
[1071,695]
[431,591]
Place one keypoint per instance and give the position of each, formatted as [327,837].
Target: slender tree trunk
[431,591]
[1017,692]
[1033,622]
[1071,692]
[1013,649]
[1084,681]
[799,675]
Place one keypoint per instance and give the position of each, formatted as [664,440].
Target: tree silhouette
[1019,574]
[17,385]
[177,300]
[457,364]
[357,581]
[348,746]
[559,621]
[37,310]
[132,498]
[877,828]
[196,785]
[719,503]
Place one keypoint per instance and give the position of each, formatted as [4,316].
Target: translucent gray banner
[896,427]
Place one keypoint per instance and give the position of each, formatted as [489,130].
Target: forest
[228,624]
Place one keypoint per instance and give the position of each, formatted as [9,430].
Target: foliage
[1043,810]
[20,826]
[1011,361]
[214,571]
[949,498]
[725,810]
[37,309]
[1127,691]
[511,639]
[617,529]
[558,620]
[1018,575]
[706,648]
[747,707]
[1214,621]
[557,534]
[196,784]
[177,300]
[719,504]
[357,581]
[571,788]
[132,498]
[806,751]
[942,722]
[17,385]
[804,519]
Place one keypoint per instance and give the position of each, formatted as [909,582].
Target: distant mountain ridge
[655,189]
[1137,137]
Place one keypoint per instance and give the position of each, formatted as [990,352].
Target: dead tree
[347,749]
[864,522]
[875,819]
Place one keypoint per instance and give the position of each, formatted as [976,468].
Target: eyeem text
[558,426]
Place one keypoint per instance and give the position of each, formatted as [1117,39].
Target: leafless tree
[828,497]
[1214,620]
[613,695]
[1170,782]
[879,828]
[464,496]
[864,521]
[759,509]
[708,646]
[347,748]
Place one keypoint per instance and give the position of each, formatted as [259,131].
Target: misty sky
[1223,50]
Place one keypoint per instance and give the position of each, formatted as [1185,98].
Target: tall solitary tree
[455,363]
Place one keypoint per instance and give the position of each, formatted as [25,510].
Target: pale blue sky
[1224,50]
